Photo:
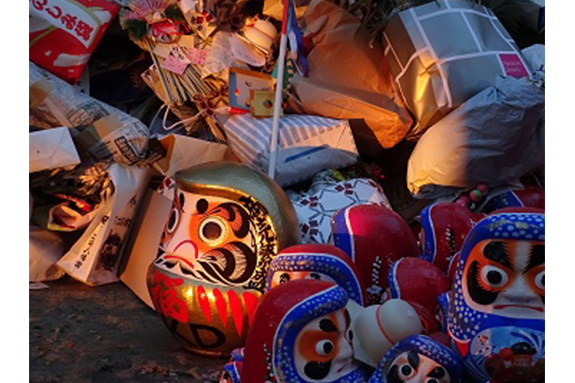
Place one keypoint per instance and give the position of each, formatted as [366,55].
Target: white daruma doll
[227,223]
[378,328]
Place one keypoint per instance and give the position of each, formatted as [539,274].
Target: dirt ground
[105,335]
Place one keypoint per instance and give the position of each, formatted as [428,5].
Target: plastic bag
[307,145]
[101,131]
[444,52]
[493,138]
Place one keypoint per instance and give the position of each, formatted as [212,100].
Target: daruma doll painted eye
[226,224]
[497,315]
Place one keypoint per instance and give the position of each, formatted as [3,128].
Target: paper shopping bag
[45,248]
[95,257]
[348,78]
[144,241]
[51,149]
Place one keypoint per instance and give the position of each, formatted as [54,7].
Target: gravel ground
[105,335]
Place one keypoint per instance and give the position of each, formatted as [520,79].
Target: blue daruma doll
[496,318]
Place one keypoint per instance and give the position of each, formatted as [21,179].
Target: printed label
[70,17]
[174,65]
[513,65]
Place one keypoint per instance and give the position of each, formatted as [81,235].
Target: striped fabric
[299,136]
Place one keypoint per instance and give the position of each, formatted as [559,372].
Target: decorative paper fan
[145,18]
[149,9]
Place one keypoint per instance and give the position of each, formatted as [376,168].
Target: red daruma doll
[420,284]
[444,227]
[226,225]
[374,237]
[303,332]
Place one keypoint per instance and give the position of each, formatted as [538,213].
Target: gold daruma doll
[226,224]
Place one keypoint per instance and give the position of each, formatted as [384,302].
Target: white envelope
[52,148]
[185,152]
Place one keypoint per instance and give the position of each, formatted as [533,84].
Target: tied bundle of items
[190,55]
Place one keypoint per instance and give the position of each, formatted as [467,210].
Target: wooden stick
[162,78]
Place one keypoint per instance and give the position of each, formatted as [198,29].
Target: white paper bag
[95,257]
[144,241]
[51,149]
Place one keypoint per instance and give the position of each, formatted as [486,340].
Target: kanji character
[56,13]
[84,30]
[39,4]
[69,21]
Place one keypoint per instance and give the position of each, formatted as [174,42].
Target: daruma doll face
[226,224]
[323,349]
[209,239]
[413,367]
[507,278]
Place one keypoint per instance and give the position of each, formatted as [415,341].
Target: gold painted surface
[203,330]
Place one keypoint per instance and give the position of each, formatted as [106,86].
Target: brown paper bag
[348,78]
[184,152]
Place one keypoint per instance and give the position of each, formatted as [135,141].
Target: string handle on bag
[165,118]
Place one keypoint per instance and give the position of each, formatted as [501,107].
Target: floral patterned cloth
[325,197]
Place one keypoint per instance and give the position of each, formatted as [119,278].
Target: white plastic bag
[494,138]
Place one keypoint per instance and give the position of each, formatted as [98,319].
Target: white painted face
[323,351]
[209,239]
[506,278]
[280,277]
[411,367]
